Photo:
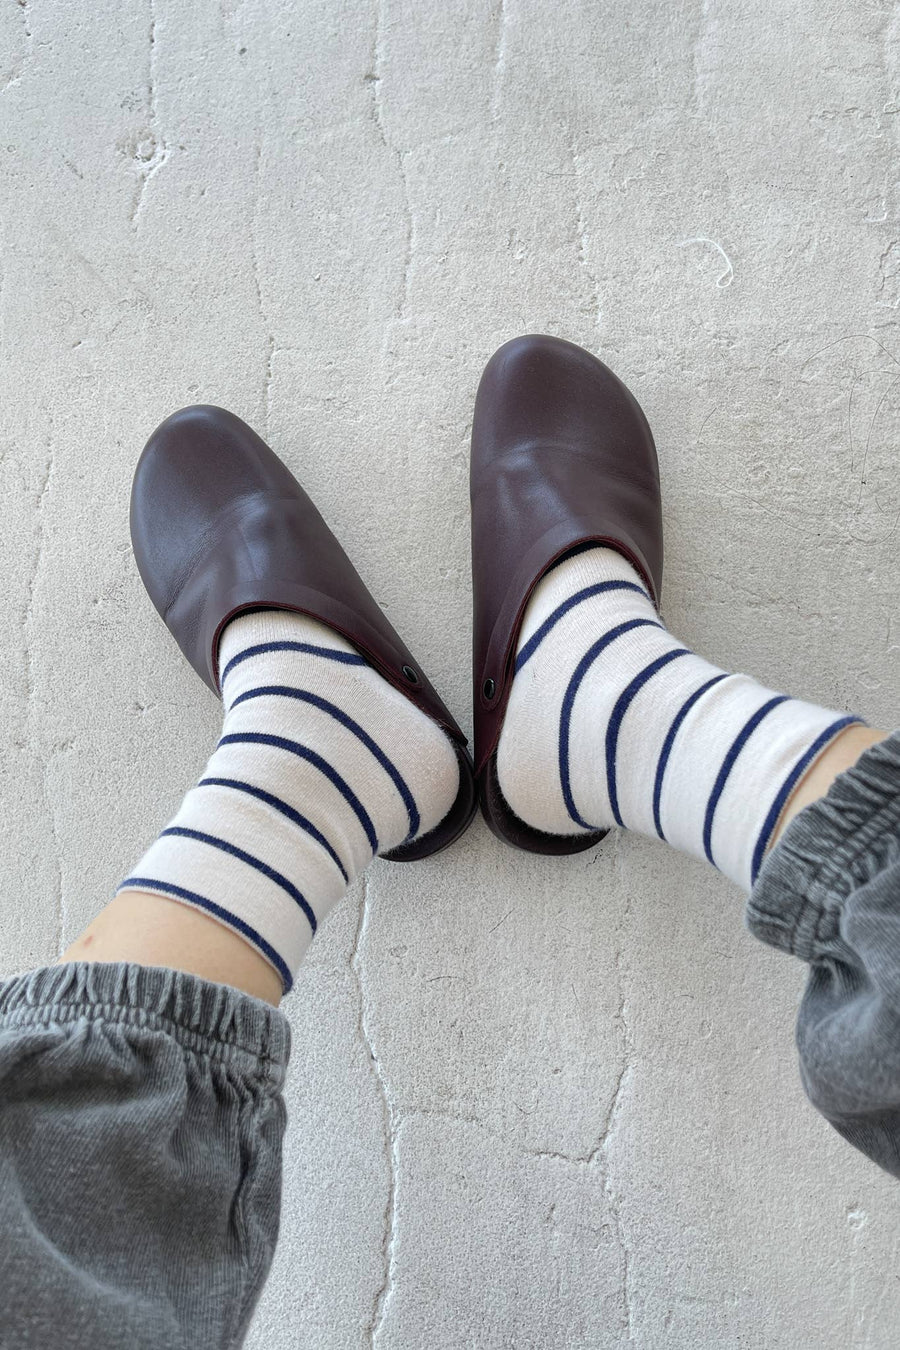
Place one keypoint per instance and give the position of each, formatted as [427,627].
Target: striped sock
[611,721]
[321,764]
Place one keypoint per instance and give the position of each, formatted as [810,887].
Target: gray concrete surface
[533,1103]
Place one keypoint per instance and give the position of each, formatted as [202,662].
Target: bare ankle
[841,754]
[152,931]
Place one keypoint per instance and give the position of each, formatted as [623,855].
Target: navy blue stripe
[302,752]
[151,884]
[562,610]
[623,703]
[581,670]
[790,783]
[670,741]
[346,658]
[288,887]
[728,764]
[303,695]
[285,810]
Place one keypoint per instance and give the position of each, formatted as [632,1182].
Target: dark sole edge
[455,823]
[507,826]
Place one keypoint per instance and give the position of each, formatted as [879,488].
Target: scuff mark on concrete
[724,278]
[391,1129]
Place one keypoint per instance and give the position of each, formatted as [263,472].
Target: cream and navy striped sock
[321,764]
[611,721]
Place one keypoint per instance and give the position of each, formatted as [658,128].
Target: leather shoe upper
[562,457]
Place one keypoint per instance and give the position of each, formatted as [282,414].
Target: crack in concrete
[698,55]
[151,64]
[256,273]
[615,1207]
[2,299]
[403,301]
[27,617]
[597,1157]
[391,1125]
[499,60]
[30,690]
[18,70]
[267,383]
[550,1154]
[888,275]
[374,80]
[589,1159]
[374,77]
[254,252]
[602,1149]
[582,238]
[150,151]
[62,913]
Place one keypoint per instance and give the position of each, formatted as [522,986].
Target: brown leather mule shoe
[219,525]
[562,459]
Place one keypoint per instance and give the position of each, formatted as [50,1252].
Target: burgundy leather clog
[562,459]
[219,525]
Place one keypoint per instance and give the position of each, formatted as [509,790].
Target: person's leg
[320,764]
[829,893]
[612,721]
[141,1115]
[141,1121]
[152,931]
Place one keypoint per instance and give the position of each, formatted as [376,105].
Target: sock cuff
[278,934]
[581,572]
[762,765]
[279,630]
[802,765]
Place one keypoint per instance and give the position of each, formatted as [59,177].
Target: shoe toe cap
[199,463]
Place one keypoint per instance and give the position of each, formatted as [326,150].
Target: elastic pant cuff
[214,1020]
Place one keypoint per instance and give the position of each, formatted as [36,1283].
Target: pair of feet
[334,746]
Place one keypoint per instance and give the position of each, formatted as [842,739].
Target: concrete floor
[533,1103]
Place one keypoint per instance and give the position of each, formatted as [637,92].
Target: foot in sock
[321,764]
[611,721]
